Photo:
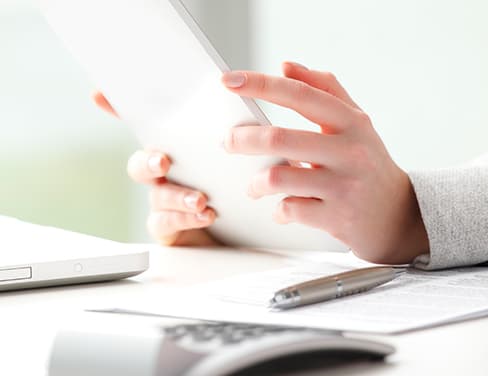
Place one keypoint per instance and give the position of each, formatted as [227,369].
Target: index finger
[324,81]
[316,105]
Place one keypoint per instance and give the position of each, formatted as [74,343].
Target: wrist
[413,241]
[397,234]
[418,233]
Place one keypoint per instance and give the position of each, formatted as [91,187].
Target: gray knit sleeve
[454,207]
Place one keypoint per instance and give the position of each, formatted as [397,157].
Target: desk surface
[30,318]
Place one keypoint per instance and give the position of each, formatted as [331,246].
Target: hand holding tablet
[178,214]
[163,77]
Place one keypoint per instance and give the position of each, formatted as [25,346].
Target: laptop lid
[39,256]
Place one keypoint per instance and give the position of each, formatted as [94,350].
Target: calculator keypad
[210,336]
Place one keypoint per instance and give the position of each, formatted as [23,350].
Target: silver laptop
[37,256]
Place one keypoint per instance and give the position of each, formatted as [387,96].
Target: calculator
[198,348]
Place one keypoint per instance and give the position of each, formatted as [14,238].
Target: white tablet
[163,77]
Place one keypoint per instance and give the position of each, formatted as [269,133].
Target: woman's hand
[354,190]
[178,214]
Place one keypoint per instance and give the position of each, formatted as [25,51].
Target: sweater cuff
[454,207]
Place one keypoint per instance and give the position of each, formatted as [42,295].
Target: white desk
[29,319]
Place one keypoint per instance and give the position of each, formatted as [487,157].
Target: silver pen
[334,286]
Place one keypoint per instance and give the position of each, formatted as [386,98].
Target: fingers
[325,81]
[103,103]
[147,166]
[172,197]
[316,105]
[292,181]
[290,144]
[166,225]
[174,209]
[307,211]
[313,213]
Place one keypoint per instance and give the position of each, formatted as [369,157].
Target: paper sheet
[416,300]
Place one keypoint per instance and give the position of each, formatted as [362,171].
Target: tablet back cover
[163,77]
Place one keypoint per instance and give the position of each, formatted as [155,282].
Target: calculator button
[204,335]
[233,338]
[176,332]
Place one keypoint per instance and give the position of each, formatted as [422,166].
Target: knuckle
[329,76]
[352,188]
[274,177]
[293,211]
[284,210]
[262,83]
[358,153]
[360,157]
[350,194]
[337,191]
[301,90]
[363,118]
[299,214]
[274,137]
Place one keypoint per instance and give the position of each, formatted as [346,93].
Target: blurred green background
[84,191]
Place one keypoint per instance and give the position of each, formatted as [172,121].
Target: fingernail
[298,65]
[154,164]
[234,80]
[203,217]
[191,200]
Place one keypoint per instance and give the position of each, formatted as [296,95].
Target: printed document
[415,300]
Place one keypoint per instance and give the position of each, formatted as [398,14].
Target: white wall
[419,68]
